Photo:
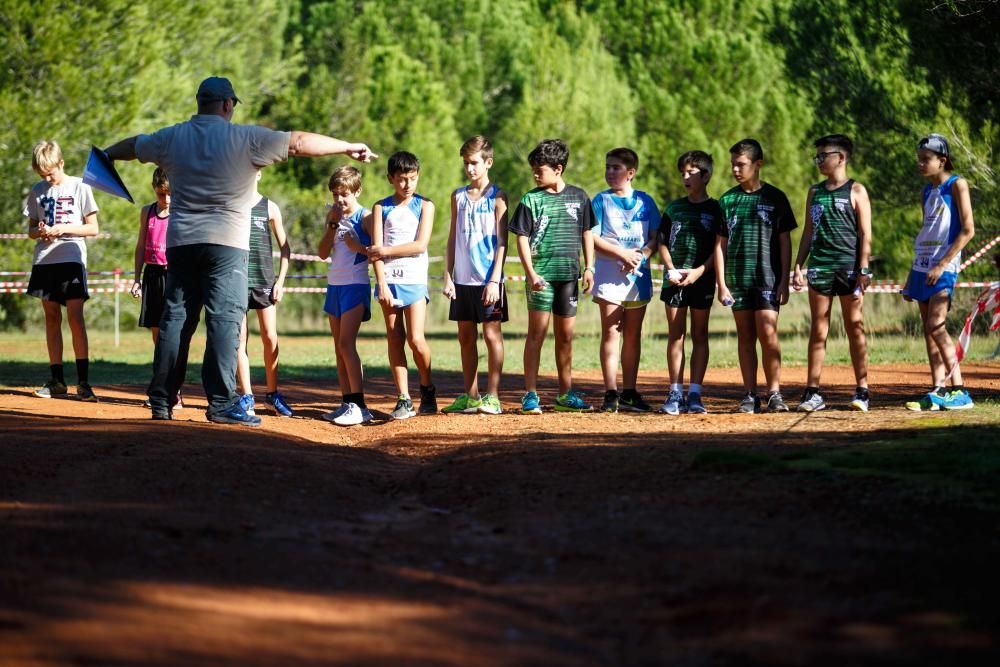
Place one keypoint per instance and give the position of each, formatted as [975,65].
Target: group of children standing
[737,248]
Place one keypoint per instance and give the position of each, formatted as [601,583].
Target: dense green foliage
[664,77]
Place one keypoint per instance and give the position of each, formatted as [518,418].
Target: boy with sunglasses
[837,240]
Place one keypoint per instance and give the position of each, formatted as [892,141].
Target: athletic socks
[862,392]
[809,392]
[694,388]
[83,371]
[57,373]
[358,399]
[677,386]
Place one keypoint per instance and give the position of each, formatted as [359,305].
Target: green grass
[307,348]
[950,455]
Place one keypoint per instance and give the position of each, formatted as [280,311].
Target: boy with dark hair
[756,252]
[688,235]
[401,230]
[61,213]
[473,278]
[264,293]
[625,225]
[552,224]
[837,239]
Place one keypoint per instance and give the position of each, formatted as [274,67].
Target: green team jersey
[554,224]
[260,267]
[754,224]
[834,244]
[689,231]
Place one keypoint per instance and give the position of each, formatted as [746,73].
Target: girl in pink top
[151,250]
[151,260]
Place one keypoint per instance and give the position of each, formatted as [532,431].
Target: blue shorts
[919,290]
[344,298]
[406,295]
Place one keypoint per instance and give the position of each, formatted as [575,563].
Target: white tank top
[400,225]
[475,236]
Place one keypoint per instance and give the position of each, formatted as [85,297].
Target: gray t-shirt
[65,204]
[212,166]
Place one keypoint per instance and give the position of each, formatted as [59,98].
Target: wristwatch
[865,271]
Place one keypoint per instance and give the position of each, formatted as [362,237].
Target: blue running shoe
[530,405]
[234,414]
[247,404]
[695,406]
[958,399]
[571,401]
[277,401]
[672,405]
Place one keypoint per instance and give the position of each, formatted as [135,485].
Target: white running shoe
[331,416]
[353,416]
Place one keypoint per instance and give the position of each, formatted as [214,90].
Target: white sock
[677,386]
[694,388]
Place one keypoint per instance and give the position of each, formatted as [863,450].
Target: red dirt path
[476,540]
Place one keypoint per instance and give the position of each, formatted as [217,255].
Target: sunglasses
[821,157]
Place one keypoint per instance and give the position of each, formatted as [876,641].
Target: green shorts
[832,282]
[559,297]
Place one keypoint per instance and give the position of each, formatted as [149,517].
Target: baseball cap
[936,143]
[216,88]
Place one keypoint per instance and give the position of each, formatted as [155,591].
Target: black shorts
[698,296]
[751,298]
[467,306]
[154,282]
[559,297]
[259,298]
[59,282]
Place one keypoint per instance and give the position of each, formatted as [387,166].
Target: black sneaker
[50,389]
[428,400]
[162,415]
[750,404]
[610,403]
[632,402]
[85,393]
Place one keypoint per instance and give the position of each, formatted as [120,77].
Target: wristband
[589,268]
[865,271]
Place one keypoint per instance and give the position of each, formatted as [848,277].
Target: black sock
[810,391]
[82,371]
[630,393]
[940,391]
[359,399]
[57,373]
[958,387]
[862,392]
[426,389]
[611,393]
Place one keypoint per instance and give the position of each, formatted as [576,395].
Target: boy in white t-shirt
[625,226]
[473,279]
[401,230]
[348,290]
[61,213]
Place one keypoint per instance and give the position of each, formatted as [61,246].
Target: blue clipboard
[100,174]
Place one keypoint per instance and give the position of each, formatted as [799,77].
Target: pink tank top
[156,237]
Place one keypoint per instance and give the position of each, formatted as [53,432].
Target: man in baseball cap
[212,165]
[215,89]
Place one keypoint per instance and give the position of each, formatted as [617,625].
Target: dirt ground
[482,540]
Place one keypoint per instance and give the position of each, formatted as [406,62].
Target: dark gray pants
[213,276]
